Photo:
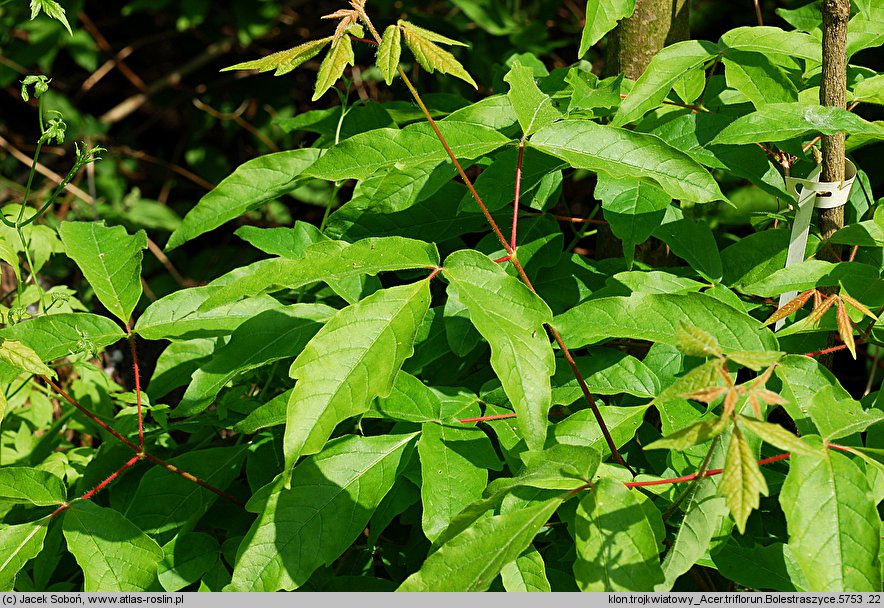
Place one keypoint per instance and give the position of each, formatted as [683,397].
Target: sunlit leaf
[742,482]
[284,61]
[389,52]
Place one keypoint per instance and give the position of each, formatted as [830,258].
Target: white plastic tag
[814,193]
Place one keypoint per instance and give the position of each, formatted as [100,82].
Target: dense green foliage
[404,395]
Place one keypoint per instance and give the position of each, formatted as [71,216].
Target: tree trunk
[631,46]
[653,25]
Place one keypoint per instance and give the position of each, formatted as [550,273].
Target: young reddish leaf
[730,401]
[777,436]
[432,57]
[769,397]
[389,52]
[857,305]
[698,433]
[284,61]
[845,328]
[695,342]
[820,310]
[697,379]
[336,60]
[429,35]
[706,395]
[790,307]
[742,482]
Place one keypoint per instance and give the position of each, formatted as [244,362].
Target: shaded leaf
[616,544]
[24,485]
[331,499]
[20,543]
[22,357]
[186,559]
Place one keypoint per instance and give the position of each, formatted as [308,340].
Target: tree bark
[653,25]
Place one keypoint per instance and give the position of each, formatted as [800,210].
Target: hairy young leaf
[534,108]
[251,185]
[430,56]
[353,359]
[364,155]
[269,336]
[471,560]
[284,61]
[616,545]
[626,154]
[666,68]
[783,121]
[110,260]
[331,498]
[113,553]
[742,482]
[389,51]
[601,17]
[688,437]
[834,528]
[777,436]
[339,56]
[52,9]
[511,319]
[21,543]
[693,341]
[658,317]
[24,485]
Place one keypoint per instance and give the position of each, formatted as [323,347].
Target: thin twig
[43,170]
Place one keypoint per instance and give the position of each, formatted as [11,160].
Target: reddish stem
[171,467]
[100,486]
[826,351]
[137,392]
[693,476]
[517,195]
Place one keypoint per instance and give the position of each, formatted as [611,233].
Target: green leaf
[783,121]
[755,360]
[768,571]
[695,342]
[472,560]
[616,544]
[329,261]
[389,51]
[365,154]
[865,234]
[534,108]
[22,357]
[110,260]
[803,378]
[666,68]
[777,436]
[353,359]
[810,274]
[770,40]
[409,401]
[186,559]
[430,56]
[511,319]
[451,479]
[658,317]
[24,485]
[582,429]
[20,543]
[113,553]
[836,416]
[704,516]
[688,437]
[284,61]
[251,185]
[870,90]
[692,241]
[527,573]
[269,336]
[339,56]
[626,154]
[759,79]
[52,9]
[165,501]
[633,209]
[64,334]
[332,497]
[834,527]
[742,482]
[602,17]
[606,371]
